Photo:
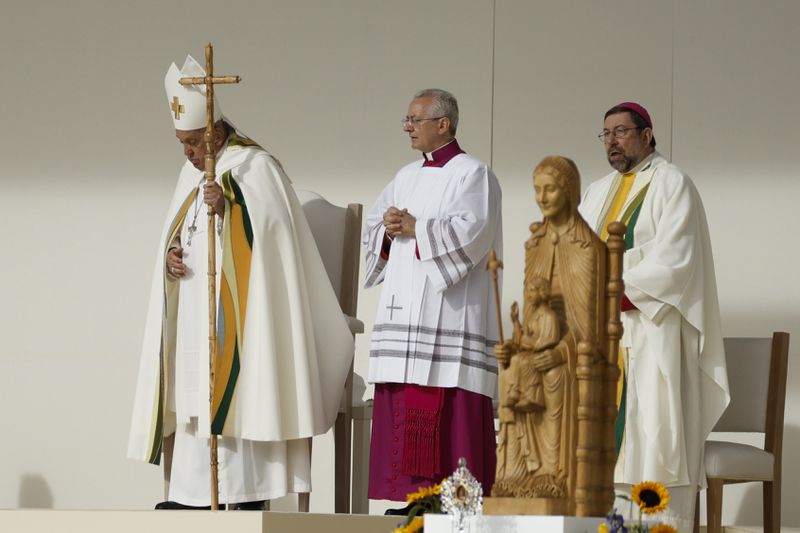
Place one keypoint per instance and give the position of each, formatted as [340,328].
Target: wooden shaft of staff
[493,264]
[497,305]
[210,173]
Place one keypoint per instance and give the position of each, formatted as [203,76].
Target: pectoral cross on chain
[391,307]
[192,230]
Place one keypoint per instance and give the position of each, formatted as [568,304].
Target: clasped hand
[399,222]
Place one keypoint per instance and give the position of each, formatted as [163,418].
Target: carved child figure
[540,332]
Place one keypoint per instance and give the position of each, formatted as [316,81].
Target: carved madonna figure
[564,318]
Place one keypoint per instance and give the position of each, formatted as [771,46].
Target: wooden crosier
[209,80]
[492,265]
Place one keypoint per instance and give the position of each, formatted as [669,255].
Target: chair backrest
[337,232]
[757,378]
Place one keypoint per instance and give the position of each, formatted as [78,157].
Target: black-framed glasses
[414,121]
[619,132]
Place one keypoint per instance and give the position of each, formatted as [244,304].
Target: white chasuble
[435,324]
[277,315]
[248,470]
[677,380]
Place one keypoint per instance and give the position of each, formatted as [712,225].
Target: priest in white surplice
[427,238]
[284,346]
[674,365]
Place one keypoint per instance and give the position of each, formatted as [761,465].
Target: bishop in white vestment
[674,363]
[284,345]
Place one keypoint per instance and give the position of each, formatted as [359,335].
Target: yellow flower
[412,527]
[417,524]
[663,528]
[423,493]
[651,496]
[602,528]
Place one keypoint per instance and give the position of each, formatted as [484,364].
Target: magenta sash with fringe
[421,449]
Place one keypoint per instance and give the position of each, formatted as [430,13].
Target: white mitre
[187,103]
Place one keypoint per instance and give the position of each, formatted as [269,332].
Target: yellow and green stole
[237,251]
[611,213]
[237,246]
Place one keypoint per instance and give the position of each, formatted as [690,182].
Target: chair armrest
[363,411]
[355,325]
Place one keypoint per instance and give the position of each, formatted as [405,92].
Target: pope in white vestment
[284,345]
[672,343]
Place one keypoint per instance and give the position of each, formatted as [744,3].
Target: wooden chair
[337,232]
[362,426]
[757,377]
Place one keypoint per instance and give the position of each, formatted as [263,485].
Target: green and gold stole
[611,213]
[237,251]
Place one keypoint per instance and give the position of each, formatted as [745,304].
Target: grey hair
[444,105]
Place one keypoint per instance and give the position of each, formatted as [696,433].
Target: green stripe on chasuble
[237,246]
[631,215]
[236,198]
[619,424]
[236,139]
[629,218]
[158,432]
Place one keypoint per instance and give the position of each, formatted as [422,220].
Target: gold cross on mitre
[177,107]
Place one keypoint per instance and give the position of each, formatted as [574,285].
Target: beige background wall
[89,162]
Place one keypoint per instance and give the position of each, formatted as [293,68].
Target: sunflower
[663,528]
[412,527]
[424,492]
[651,496]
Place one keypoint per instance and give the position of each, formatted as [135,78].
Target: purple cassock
[409,451]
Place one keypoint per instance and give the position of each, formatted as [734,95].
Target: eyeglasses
[414,121]
[619,132]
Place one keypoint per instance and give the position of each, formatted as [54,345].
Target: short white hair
[444,105]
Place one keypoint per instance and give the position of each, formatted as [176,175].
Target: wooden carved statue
[558,370]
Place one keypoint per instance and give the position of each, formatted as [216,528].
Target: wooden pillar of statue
[558,370]
[615,244]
